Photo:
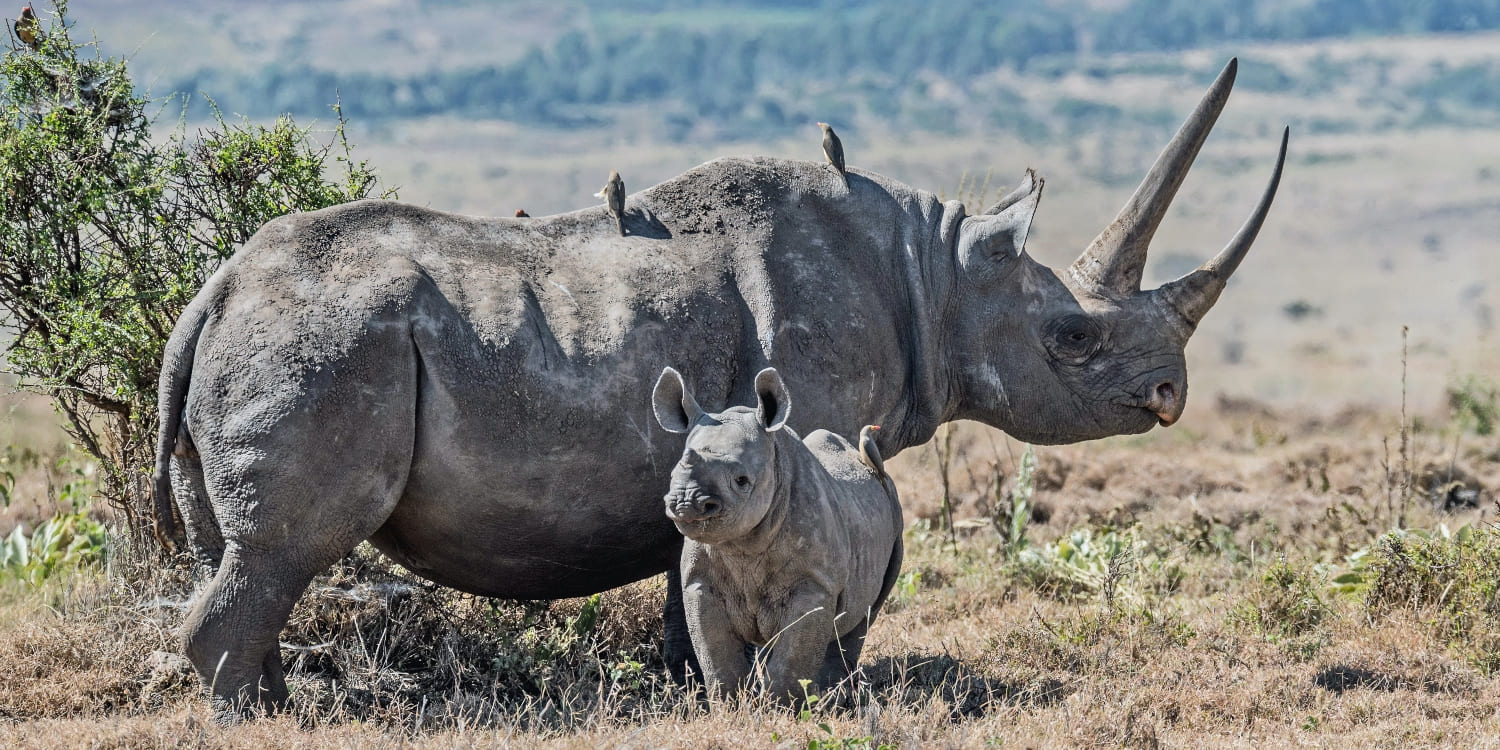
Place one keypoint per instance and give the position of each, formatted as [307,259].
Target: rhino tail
[172,388]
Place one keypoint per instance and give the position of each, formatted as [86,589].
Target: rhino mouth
[696,516]
[1165,404]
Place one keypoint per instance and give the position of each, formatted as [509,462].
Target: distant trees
[729,70]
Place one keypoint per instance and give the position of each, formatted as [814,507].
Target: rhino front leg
[799,650]
[677,642]
[726,668]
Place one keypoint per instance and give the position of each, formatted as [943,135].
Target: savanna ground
[1229,581]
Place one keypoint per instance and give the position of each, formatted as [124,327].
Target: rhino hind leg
[205,540]
[288,505]
[842,656]
[232,633]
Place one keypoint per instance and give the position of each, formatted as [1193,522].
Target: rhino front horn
[1192,295]
[1113,263]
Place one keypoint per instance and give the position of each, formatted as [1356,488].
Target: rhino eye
[742,481]
[1073,338]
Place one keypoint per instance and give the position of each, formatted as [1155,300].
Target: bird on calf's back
[869,452]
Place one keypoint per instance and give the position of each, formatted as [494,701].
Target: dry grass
[1207,635]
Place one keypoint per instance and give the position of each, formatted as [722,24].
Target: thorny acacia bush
[106,233]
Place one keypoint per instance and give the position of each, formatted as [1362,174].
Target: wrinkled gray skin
[470,394]
[792,544]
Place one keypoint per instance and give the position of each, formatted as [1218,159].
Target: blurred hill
[1387,215]
[724,69]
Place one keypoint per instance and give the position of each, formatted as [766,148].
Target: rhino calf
[791,544]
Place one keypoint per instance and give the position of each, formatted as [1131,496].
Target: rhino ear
[676,409]
[772,403]
[999,234]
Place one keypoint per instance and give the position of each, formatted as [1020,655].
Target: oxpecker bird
[521,214]
[614,197]
[869,452]
[29,28]
[833,148]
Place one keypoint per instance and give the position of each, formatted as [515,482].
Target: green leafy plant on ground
[1011,518]
[64,542]
[1288,601]
[1080,564]
[67,541]
[1451,581]
[107,231]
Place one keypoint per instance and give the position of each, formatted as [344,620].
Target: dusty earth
[1224,581]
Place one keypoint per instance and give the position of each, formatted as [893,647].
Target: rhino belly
[544,523]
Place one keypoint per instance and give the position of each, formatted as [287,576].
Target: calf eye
[742,481]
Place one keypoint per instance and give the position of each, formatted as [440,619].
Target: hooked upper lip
[1165,402]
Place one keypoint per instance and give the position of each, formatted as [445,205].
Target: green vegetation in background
[742,64]
[106,233]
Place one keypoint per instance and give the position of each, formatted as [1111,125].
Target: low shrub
[1452,581]
[1286,603]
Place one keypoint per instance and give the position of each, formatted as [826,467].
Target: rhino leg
[842,656]
[726,667]
[198,519]
[797,653]
[232,632]
[289,503]
[677,643]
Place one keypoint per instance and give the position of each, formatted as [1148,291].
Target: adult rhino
[471,395]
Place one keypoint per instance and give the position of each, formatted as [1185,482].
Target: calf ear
[772,403]
[676,409]
[987,241]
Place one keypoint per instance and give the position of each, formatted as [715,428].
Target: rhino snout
[1166,402]
[693,508]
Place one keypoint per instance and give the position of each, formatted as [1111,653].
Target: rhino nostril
[710,508]
[1166,393]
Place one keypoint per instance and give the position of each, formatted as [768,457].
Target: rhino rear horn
[772,402]
[1192,295]
[675,408]
[1115,260]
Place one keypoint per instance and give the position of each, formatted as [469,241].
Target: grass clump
[1451,581]
[1287,602]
